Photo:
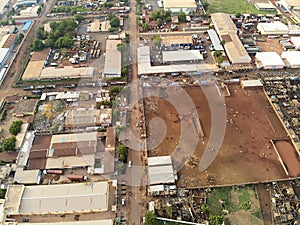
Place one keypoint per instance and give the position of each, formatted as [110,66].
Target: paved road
[137,172]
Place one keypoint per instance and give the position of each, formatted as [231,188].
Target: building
[27,176]
[88,118]
[170,40]
[30,11]
[57,199]
[3,3]
[27,25]
[175,6]
[4,54]
[290,4]
[110,143]
[227,31]
[274,28]
[268,60]
[112,65]
[292,58]
[215,40]
[36,64]
[145,67]
[8,41]
[66,72]
[181,56]
[265,6]
[160,170]
[295,40]
[21,135]
[251,84]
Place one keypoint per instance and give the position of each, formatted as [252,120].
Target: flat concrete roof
[180,4]
[27,176]
[269,59]
[292,57]
[183,55]
[160,160]
[88,222]
[178,39]
[223,23]
[13,198]
[215,40]
[33,70]
[73,137]
[274,27]
[70,161]
[67,71]
[62,198]
[161,174]
[251,83]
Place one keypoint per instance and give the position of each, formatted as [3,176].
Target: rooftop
[110,143]
[179,4]
[223,23]
[60,198]
[20,136]
[181,39]
[292,57]
[67,72]
[182,55]
[27,176]
[112,58]
[269,59]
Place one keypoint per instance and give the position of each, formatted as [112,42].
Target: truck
[37,92]
[76,177]
[58,172]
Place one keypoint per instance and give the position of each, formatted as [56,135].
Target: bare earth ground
[246,154]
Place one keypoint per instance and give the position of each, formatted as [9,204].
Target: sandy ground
[246,154]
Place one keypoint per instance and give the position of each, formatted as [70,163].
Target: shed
[269,60]
[26,26]
[292,58]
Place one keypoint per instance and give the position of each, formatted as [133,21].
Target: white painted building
[275,28]
[269,60]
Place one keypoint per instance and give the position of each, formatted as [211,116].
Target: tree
[124,71]
[79,18]
[145,26]
[205,210]
[215,220]
[150,218]
[218,56]
[169,211]
[159,22]
[123,152]
[168,19]
[222,42]
[2,193]
[20,37]
[205,4]
[157,40]
[9,144]
[114,22]
[116,112]
[37,45]
[108,4]
[15,127]
[13,22]
[121,47]
[181,16]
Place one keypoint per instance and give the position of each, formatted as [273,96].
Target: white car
[129,163]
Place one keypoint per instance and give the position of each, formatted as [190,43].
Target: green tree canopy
[150,218]
[15,127]
[114,22]
[79,18]
[145,26]
[181,16]
[157,40]
[9,144]
[123,152]
[215,220]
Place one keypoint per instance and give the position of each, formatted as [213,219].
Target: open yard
[238,205]
[233,7]
[246,154]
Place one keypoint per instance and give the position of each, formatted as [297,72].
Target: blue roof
[26,26]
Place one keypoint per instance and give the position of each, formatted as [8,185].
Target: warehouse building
[251,84]
[30,11]
[57,199]
[169,41]
[145,67]
[292,58]
[160,170]
[181,56]
[227,30]
[265,6]
[112,65]
[295,40]
[269,60]
[290,4]
[274,28]
[3,3]
[175,6]
[215,40]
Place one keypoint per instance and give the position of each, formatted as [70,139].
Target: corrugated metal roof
[184,55]
[215,40]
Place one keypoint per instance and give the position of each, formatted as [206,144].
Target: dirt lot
[271,45]
[246,154]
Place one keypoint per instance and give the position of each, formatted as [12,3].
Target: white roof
[67,71]
[3,53]
[269,59]
[66,95]
[74,137]
[70,161]
[215,40]
[296,41]
[161,174]
[160,160]
[179,4]
[292,57]
[251,83]
[112,58]
[144,65]
[62,198]
[155,188]
[2,4]
[27,176]
[276,26]
[88,222]
[265,5]
[184,55]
